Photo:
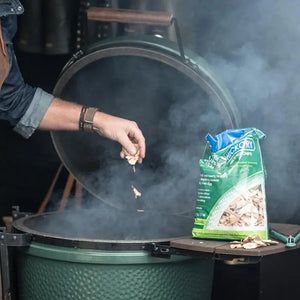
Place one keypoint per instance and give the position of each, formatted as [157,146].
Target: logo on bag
[246,144]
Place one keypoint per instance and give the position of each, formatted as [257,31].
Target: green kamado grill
[67,261]
[119,250]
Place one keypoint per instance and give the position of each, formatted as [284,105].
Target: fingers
[142,148]
[124,131]
[139,138]
[127,145]
[134,136]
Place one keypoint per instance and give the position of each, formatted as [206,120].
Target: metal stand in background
[66,193]
[159,18]
[9,239]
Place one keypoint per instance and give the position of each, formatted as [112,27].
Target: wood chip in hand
[132,159]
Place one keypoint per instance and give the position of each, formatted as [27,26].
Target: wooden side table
[266,273]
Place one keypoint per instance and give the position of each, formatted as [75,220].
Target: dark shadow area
[28,166]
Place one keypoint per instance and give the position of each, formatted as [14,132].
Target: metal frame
[8,239]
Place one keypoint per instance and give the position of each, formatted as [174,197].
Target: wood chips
[246,210]
[136,192]
[252,242]
[132,159]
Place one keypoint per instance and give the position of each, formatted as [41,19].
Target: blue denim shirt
[21,104]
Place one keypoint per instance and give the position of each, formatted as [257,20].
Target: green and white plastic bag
[231,202]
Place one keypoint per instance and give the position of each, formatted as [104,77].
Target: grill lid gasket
[23,225]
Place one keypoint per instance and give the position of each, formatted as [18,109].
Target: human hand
[124,131]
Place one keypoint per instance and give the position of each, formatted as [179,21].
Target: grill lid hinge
[160,250]
[17,214]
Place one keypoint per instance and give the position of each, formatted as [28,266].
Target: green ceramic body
[47,272]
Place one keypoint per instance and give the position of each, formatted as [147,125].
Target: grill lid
[176,103]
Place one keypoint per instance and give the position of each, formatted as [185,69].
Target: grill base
[50,272]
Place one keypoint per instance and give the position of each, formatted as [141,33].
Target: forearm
[61,115]
[64,115]
[28,108]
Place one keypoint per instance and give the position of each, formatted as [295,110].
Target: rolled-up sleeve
[34,114]
[22,105]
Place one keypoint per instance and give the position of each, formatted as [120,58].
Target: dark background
[28,166]
[252,45]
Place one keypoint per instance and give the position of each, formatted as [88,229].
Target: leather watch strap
[86,118]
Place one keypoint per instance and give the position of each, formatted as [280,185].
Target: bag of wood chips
[231,202]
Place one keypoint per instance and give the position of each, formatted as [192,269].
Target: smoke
[108,224]
[253,46]
[174,114]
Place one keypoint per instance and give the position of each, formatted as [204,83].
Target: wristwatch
[86,118]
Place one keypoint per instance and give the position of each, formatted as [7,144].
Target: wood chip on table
[250,246]
[252,242]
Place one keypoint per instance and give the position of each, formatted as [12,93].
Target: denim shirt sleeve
[22,105]
[34,114]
